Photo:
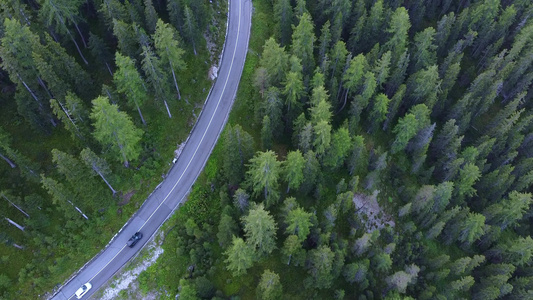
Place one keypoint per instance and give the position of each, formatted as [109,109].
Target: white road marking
[197,147]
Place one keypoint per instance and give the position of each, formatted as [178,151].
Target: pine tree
[98,165]
[190,27]
[425,54]
[129,81]
[398,28]
[358,161]
[263,176]
[324,44]
[468,175]
[509,211]
[292,251]
[151,15]
[303,39]
[155,75]
[339,150]
[238,148]
[472,228]
[322,137]
[298,223]
[166,45]
[352,78]
[275,60]
[292,168]
[240,257]
[404,130]
[321,266]
[100,51]
[115,129]
[227,228]
[126,37]
[260,230]
[284,19]
[269,287]
[59,14]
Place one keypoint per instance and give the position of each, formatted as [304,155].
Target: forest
[377,149]
[96,98]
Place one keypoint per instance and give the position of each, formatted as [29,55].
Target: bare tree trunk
[16,206]
[175,82]
[15,224]
[140,114]
[289,262]
[109,185]
[168,110]
[79,210]
[43,85]
[81,35]
[68,116]
[29,90]
[18,246]
[109,68]
[345,100]
[77,48]
[11,164]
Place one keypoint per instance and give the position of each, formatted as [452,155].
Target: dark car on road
[134,239]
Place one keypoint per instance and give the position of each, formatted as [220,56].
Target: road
[174,189]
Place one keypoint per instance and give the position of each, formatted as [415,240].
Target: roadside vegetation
[376,150]
[96,97]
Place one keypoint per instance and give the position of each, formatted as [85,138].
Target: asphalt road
[173,190]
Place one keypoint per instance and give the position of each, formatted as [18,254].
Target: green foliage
[240,257]
[263,176]
[269,287]
[115,129]
[260,231]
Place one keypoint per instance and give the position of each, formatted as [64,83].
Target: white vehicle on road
[83,290]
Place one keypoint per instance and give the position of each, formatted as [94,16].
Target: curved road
[173,190]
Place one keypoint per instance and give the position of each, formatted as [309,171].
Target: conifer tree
[303,39]
[260,230]
[166,44]
[115,129]
[263,176]
[129,81]
[240,257]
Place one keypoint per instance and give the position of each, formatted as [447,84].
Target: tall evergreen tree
[166,45]
[115,129]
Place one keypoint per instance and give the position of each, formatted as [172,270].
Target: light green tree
[405,130]
[299,223]
[269,287]
[115,129]
[303,39]
[341,143]
[260,230]
[240,257]
[292,169]
[155,75]
[167,47]
[275,60]
[263,175]
[129,82]
[322,137]
[321,266]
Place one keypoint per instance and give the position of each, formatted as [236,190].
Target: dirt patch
[369,211]
[126,198]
